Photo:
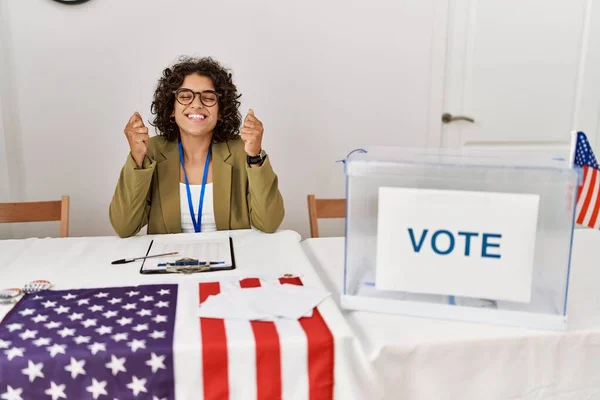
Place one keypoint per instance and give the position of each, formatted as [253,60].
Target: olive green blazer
[243,196]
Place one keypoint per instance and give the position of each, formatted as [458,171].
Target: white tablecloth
[74,263]
[420,358]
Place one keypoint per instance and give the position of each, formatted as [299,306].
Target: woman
[199,174]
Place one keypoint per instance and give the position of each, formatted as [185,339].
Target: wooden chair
[323,208]
[37,212]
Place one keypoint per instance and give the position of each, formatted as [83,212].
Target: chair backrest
[323,208]
[38,211]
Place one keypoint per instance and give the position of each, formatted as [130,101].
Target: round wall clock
[71,1]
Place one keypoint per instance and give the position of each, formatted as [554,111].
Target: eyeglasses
[186,97]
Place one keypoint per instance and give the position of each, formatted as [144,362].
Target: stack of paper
[265,303]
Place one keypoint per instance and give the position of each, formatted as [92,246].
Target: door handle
[447,118]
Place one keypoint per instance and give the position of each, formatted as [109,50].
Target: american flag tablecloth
[90,344]
[118,343]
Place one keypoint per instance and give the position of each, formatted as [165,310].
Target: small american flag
[588,191]
[90,343]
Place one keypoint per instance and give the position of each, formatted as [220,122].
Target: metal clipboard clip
[188,265]
[188,270]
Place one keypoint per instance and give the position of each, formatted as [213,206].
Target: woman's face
[196,117]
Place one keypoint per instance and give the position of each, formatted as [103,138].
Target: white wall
[325,77]
[4,188]
[9,176]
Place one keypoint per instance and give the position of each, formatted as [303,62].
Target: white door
[525,71]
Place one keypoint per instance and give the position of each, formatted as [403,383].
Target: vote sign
[461,243]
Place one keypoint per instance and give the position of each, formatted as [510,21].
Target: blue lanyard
[197,224]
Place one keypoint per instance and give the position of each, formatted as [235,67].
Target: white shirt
[208,214]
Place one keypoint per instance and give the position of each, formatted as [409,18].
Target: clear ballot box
[474,235]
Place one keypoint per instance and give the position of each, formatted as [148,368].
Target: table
[76,263]
[419,358]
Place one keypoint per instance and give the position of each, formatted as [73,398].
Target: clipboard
[188,265]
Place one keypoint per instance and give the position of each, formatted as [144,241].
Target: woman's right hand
[137,136]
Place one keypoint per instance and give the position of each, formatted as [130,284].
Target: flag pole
[572,149]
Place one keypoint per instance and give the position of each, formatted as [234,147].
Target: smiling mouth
[196,117]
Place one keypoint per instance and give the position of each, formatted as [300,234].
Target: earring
[172,120]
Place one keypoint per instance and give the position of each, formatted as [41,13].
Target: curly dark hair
[228,125]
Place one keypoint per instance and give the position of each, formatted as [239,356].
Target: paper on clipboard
[213,251]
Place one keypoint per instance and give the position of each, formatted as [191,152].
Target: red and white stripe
[588,199]
[265,360]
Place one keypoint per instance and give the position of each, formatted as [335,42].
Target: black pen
[128,260]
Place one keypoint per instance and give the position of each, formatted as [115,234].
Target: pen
[128,260]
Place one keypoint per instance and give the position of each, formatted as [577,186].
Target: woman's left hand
[252,133]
